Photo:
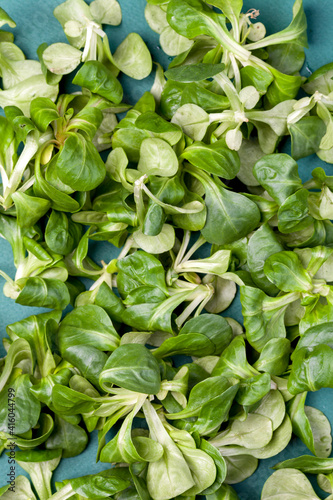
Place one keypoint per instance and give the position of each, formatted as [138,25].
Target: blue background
[36,24]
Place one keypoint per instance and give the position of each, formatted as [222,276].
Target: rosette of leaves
[244,115]
[309,295]
[196,466]
[164,188]
[269,63]
[41,275]
[82,25]
[150,303]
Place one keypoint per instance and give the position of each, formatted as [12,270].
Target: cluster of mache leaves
[195,161]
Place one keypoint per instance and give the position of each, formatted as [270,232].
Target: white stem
[230,91]
[29,150]
[238,83]
[87,44]
[200,241]
[182,250]
[65,492]
[27,184]
[126,248]
[190,308]
[204,302]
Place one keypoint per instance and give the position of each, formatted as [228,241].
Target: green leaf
[320,80]
[278,174]
[83,336]
[44,292]
[264,315]
[214,158]
[231,9]
[61,234]
[66,401]
[225,492]
[106,12]
[253,389]
[234,214]
[284,87]
[156,17]
[307,464]
[215,412]
[51,78]
[219,463]
[23,490]
[201,394]
[157,158]
[70,438]
[171,474]
[59,200]
[306,136]
[159,127]
[27,407]
[101,485]
[44,429]
[138,269]
[172,43]
[131,447]
[256,77]
[96,77]
[194,72]
[291,484]
[274,358]
[310,369]
[18,351]
[280,440]
[213,326]
[293,214]
[192,18]
[22,93]
[132,367]
[321,333]
[272,406]
[133,58]
[254,432]
[29,209]
[40,466]
[39,331]
[6,19]
[195,344]
[130,139]
[240,468]
[262,244]
[196,93]
[61,58]
[21,124]
[74,10]
[161,243]
[43,111]
[87,120]
[311,426]
[233,362]
[285,270]
[193,120]
[79,164]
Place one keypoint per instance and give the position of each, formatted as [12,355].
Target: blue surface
[36,24]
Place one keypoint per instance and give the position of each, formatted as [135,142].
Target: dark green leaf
[100,80]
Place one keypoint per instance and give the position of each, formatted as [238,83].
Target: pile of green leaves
[192,166]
